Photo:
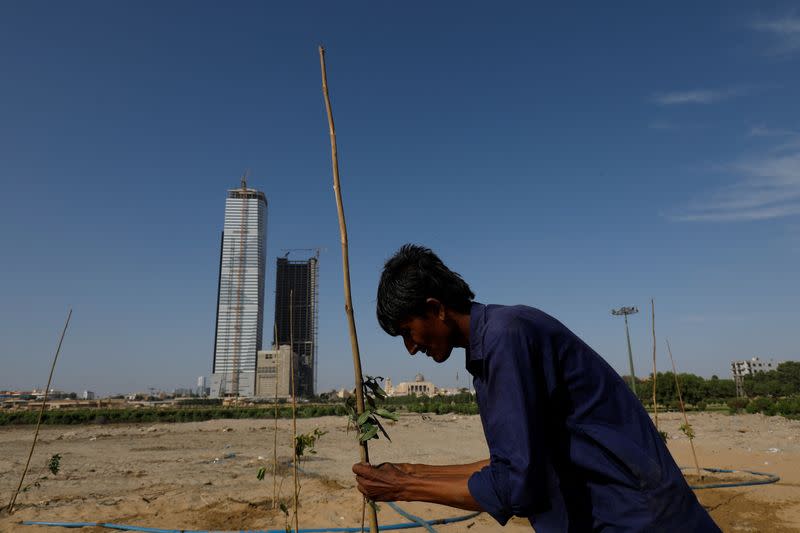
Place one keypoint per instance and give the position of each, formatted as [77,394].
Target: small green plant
[53,465]
[664,435]
[687,430]
[368,423]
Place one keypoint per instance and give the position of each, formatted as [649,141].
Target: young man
[571,448]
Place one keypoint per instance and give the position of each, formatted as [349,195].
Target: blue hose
[390,527]
[767,478]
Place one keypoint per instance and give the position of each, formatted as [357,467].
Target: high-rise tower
[240,296]
[299,279]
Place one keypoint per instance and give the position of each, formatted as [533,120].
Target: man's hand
[382,483]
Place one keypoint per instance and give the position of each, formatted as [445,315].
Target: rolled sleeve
[515,481]
[483,486]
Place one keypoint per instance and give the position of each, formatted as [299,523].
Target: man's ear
[436,308]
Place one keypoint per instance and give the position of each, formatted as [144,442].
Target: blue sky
[574,159]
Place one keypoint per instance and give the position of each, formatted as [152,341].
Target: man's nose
[411,346]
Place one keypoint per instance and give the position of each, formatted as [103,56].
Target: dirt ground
[203,475]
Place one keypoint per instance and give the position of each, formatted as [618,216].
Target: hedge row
[104,416]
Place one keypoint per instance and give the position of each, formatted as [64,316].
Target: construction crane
[316,251]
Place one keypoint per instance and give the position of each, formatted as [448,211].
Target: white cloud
[764,131]
[785,31]
[768,187]
[697,96]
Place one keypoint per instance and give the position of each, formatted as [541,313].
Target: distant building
[87,395]
[240,294]
[202,390]
[273,369]
[298,279]
[752,366]
[740,369]
[419,386]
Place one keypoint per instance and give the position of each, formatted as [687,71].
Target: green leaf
[387,414]
[363,418]
[369,433]
[261,472]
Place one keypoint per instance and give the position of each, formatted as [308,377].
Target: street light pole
[624,312]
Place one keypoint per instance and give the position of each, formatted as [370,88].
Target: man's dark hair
[409,278]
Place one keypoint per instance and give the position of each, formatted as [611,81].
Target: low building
[273,371]
[419,386]
[87,395]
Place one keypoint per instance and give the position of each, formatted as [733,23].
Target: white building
[240,296]
[273,369]
[419,386]
[752,366]
[87,395]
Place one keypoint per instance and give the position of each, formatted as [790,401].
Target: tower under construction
[240,293]
[298,281]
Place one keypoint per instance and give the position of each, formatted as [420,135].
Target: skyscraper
[240,295]
[299,279]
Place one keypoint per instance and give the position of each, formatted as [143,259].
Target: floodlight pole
[624,312]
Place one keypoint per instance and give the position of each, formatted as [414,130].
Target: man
[571,448]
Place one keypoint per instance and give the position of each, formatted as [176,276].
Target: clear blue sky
[573,159]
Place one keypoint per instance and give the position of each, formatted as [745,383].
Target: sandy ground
[203,475]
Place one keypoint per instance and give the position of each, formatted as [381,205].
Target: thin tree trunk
[41,413]
[348,301]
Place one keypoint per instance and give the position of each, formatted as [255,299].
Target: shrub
[762,405]
[735,405]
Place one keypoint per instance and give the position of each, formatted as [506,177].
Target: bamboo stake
[275,433]
[655,404]
[348,301]
[294,413]
[41,413]
[683,410]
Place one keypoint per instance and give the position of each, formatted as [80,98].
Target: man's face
[429,334]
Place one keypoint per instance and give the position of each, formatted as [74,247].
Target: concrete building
[419,386]
[273,369]
[87,395]
[740,369]
[752,366]
[298,281]
[240,294]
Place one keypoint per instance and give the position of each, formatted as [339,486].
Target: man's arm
[388,482]
[416,469]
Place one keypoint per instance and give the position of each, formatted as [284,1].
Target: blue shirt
[571,447]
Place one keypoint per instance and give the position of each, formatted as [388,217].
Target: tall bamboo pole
[683,410]
[348,301]
[39,419]
[294,414]
[653,316]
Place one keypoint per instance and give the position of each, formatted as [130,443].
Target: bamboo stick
[655,403]
[348,301]
[683,409]
[294,413]
[275,433]
[41,412]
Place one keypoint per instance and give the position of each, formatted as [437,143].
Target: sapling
[686,428]
[368,423]
[53,465]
